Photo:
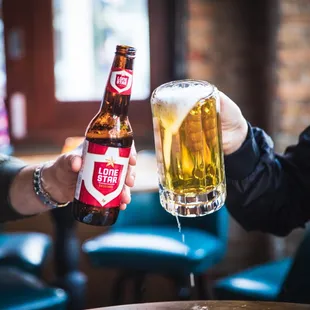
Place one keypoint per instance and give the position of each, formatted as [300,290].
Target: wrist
[47,182]
[48,178]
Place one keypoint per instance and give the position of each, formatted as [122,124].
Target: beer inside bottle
[107,148]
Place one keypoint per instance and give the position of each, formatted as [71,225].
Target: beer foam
[174,103]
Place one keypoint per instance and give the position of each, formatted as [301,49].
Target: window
[66,48]
[85,36]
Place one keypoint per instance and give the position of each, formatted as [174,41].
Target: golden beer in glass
[188,144]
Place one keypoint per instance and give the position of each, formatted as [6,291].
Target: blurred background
[54,59]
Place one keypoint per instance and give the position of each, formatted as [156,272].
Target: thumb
[231,115]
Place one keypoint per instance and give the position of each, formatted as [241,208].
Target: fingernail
[133,176]
[73,158]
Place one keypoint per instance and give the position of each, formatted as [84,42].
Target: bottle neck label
[120,81]
[102,176]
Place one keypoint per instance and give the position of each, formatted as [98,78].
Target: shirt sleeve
[9,168]
[267,191]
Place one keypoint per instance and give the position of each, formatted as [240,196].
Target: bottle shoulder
[106,125]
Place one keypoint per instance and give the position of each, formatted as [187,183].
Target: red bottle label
[102,176]
[120,81]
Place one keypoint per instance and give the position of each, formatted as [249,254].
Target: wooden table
[210,305]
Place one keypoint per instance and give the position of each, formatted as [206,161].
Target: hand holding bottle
[60,177]
[58,180]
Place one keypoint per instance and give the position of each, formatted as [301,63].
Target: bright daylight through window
[86,33]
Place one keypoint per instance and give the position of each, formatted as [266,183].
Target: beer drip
[191,276]
[180,231]
[179,225]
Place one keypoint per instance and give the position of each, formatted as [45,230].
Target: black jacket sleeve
[268,191]
[9,168]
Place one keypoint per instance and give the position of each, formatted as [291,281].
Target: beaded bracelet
[44,197]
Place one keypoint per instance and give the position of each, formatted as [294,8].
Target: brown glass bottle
[107,146]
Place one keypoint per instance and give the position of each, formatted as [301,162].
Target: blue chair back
[296,287]
[145,210]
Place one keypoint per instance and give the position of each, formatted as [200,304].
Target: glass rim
[213,88]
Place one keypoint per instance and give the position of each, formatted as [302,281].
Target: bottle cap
[126,50]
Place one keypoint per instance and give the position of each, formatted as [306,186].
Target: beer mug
[188,145]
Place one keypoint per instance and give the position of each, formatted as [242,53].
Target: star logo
[110,162]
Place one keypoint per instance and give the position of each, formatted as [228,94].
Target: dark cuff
[242,163]
[8,170]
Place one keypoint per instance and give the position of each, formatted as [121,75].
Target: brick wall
[293,105]
[293,88]
[200,40]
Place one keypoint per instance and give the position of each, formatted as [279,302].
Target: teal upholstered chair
[22,256]
[145,239]
[284,280]
[23,291]
[27,251]
[262,282]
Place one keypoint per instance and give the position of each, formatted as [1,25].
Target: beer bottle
[106,149]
